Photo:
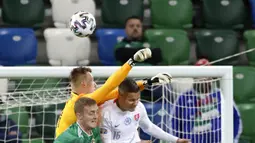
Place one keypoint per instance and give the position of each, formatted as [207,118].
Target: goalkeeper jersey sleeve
[199,119]
[74,134]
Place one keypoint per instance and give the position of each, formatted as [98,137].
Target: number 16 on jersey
[116,135]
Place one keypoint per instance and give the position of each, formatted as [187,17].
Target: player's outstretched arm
[153,130]
[116,78]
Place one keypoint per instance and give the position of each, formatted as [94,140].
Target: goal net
[195,105]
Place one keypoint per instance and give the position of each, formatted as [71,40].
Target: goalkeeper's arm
[116,78]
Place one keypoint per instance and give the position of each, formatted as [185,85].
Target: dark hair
[81,102]
[129,85]
[132,17]
[76,73]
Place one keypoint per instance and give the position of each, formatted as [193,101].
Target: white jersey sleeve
[148,127]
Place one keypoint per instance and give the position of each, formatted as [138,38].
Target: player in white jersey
[122,117]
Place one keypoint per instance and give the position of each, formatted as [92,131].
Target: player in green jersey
[85,130]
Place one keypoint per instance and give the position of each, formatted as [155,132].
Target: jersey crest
[137,116]
[127,121]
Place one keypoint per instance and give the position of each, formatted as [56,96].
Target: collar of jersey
[116,107]
[74,94]
[83,130]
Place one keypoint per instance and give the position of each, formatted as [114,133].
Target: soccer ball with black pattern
[82,24]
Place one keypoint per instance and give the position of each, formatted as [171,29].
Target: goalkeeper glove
[159,79]
[140,56]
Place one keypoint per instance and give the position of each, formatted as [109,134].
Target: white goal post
[225,73]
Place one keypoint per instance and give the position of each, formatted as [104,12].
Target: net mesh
[187,108]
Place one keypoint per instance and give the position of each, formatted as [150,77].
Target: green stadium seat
[244,82]
[46,119]
[174,14]
[20,117]
[174,45]
[32,140]
[115,12]
[224,13]
[216,44]
[249,36]
[247,112]
[25,13]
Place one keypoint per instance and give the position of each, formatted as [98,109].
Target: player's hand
[183,141]
[159,79]
[142,55]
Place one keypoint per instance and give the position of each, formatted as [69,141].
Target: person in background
[9,131]
[134,42]
[198,111]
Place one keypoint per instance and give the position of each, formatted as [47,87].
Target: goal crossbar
[99,71]
[225,73]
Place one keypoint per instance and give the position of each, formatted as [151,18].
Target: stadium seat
[46,118]
[249,36]
[107,39]
[216,44]
[63,10]
[27,13]
[66,49]
[20,116]
[174,44]
[159,115]
[152,111]
[175,14]
[32,140]
[224,13]
[3,88]
[18,46]
[247,112]
[244,90]
[3,85]
[252,5]
[115,12]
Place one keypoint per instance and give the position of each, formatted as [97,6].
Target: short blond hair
[78,74]
[81,102]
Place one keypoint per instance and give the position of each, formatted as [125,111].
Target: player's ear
[121,93]
[78,115]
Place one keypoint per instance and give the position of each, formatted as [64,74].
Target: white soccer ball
[82,24]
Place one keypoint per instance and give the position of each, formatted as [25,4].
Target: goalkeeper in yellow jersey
[83,85]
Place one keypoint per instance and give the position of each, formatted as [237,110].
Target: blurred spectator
[198,111]
[9,132]
[134,42]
